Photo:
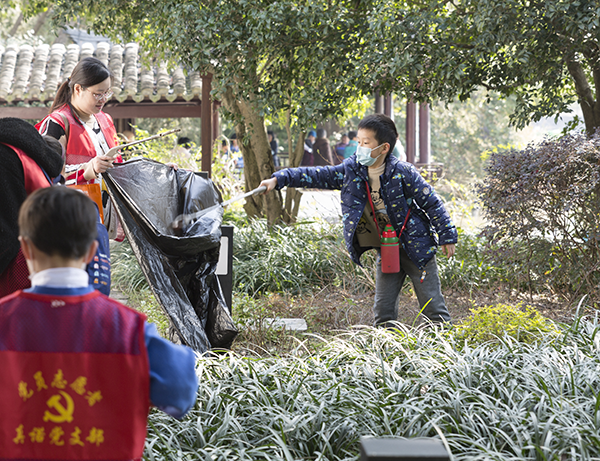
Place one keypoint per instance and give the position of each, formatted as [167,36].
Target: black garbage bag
[180,270]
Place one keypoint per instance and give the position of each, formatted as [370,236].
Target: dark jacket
[23,135]
[401,186]
[322,153]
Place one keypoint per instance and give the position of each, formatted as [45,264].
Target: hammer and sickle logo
[64,414]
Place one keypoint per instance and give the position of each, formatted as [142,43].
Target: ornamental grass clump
[514,401]
[294,258]
[495,323]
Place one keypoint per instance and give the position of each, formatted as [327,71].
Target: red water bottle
[390,251]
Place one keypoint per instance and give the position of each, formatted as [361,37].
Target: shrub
[543,205]
[493,323]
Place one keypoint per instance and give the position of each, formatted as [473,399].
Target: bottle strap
[375,216]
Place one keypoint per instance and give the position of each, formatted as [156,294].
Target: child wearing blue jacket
[377,186]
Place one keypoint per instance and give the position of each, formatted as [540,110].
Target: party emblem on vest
[55,408]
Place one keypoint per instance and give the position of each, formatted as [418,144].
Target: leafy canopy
[543,51]
[285,55]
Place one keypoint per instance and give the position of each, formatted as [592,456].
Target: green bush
[494,323]
[543,205]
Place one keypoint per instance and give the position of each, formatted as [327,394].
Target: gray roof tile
[33,74]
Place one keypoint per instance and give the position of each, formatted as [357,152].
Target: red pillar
[206,125]
[388,105]
[411,132]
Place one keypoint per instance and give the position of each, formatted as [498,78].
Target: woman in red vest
[76,119]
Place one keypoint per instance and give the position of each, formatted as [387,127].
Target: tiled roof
[33,74]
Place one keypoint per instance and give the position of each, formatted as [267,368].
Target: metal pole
[424,134]
[206,124]
[378,103]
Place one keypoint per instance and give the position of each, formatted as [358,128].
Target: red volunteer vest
[16,275]
[80,147]
[75,378]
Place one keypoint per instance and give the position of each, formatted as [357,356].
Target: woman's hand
[269,184]
[97,165]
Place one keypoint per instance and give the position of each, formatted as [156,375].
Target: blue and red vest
[75,378]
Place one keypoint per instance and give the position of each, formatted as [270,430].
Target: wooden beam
[154,110]
[26,113]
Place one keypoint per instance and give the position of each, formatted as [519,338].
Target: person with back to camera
[322,150]
[308,158]
[377,189]
[350,149]
[79,370]
[27,163]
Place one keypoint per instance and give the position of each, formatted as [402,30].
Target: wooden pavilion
[30,77]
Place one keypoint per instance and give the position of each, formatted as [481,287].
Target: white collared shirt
[61,277]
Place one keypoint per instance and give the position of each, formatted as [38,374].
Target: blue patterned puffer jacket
[401,186]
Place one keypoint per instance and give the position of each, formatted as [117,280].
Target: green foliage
[126,273]
[462,131]
[472,269]
[294,258]
[543,208]
[495,323]
[282,56]
[513,401]
[127,277]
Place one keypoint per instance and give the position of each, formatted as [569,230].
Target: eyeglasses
[100,96]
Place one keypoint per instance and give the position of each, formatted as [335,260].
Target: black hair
[88,72]
[185,142]
[59,221]
[383,127]
[321,133]
[352,134]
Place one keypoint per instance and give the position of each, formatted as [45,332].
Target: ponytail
[63,96]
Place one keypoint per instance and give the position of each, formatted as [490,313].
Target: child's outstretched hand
[269,184]
[448,250]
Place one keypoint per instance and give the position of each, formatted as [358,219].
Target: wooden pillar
[424,133]
[378,103]
[388,105]
[411,132]
[206,125]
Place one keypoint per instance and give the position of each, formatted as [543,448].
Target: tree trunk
[256,152]
[589,106]
[293,195]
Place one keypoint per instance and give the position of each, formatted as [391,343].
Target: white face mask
[363,155]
